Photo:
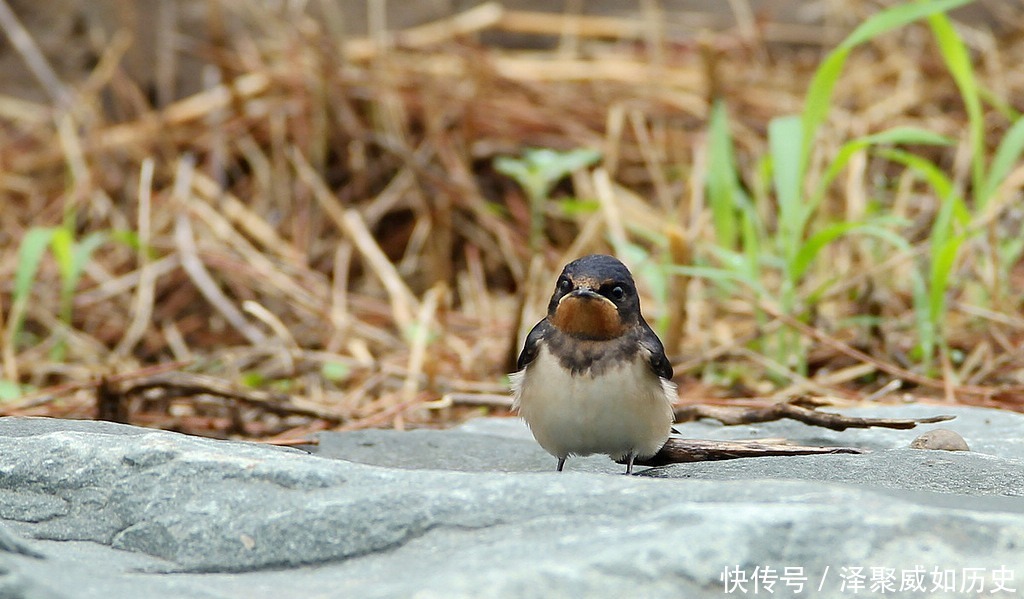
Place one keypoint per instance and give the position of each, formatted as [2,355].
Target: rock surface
[940,438]
[92,509]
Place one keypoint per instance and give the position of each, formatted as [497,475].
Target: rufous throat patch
[589,317]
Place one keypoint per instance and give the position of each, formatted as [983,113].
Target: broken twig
[184,384]
[779,411]
[704,450]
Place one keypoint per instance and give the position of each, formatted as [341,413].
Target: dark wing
[649,341]
[532,345]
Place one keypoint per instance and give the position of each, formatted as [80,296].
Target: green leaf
[83,252]
[495,209]
[71,259]
[537,172]
[819,93]
[896,17]
[722,275]
[908,135]
[335,371]
[62,244]
[557,165]
[577,207]
[9,390]
[722,181]
[896,135]
[953,210]
[253,379]
[1006,158]
[998,103]
[932,174]
[942,266]
[958,61]
[751,237]
[30,255]
[512,167]
[283,385]
[541,168]
[520,171]
[125,237]
[787,172]
[923,318]
[819,98]
[810,249]
[413,330]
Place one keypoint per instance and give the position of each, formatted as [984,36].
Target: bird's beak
[584,293]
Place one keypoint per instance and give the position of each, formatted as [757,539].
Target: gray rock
[13,583]
[941,439]
[119,511]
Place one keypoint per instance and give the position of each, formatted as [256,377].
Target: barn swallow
[593,376]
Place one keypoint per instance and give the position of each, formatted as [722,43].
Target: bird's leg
[629,462]
[561,462]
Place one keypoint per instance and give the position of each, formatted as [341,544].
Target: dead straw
[320,237]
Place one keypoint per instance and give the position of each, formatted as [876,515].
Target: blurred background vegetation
[267,218]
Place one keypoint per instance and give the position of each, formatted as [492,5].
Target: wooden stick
[678,451]
[187,384]
[779,411]
[49,394]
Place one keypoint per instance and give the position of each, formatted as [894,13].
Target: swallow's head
[595,298]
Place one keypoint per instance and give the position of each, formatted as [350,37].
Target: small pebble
[940,438]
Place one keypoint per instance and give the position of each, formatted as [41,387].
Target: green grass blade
[896,17]
[62,245]
[819,93]
[908,136]
[810,249]
[930,294]
[554,166]
[819,98]
[722,181]
[932,174]
[718,184]
[896,135]
[9,390]
[787,172]
[71,259]
[721,275]
[30,255]
[130,239]
[943,261]
[997,102]
[923,319]
[958,61]
[83,252]
[751,243]
[953,210]
[537,172]
[519,171]
[1006,158]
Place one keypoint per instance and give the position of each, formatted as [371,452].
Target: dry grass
[322,231]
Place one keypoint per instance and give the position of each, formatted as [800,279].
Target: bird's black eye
[564,284]
[618,293]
